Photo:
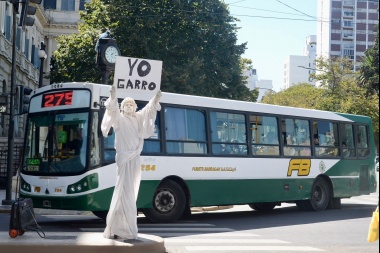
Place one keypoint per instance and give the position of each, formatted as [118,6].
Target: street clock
[109,54]
[106,53]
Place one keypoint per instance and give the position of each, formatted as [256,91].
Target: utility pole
[8,194]
[25,20]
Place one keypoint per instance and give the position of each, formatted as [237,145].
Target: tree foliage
[338,92]
[196,40]
[369,69]
[303,95]
[75,55]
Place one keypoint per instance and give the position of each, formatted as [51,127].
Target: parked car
[377,163]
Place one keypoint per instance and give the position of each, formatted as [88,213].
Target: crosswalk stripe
[252,248]
[186,229]
[220,241]
[197,235]
[177,225]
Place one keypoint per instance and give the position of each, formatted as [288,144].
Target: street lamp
[42,55]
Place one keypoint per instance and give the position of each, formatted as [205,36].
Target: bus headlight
[25,186]
[85,184]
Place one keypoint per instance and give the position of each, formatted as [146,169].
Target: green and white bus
[204,152]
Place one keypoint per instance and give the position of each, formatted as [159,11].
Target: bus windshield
[56,143]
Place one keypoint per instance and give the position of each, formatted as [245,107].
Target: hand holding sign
[157,97]
[113,92]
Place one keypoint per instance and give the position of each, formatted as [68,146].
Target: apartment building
[253,82]
[298,68]
[346,28]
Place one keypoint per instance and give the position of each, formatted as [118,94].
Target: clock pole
[106,53]
[105,75]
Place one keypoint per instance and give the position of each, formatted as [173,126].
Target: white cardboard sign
[136,75]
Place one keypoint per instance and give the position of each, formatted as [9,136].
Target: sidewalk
[67,242]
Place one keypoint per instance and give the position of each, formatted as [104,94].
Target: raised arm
[157,98]
[112,114]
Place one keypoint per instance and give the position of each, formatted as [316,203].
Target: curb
[5,209]
[83,243]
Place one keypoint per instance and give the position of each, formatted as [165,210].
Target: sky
[273,29]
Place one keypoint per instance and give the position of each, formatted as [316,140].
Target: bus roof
[209,102]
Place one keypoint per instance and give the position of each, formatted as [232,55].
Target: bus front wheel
[169,203]
[320,197]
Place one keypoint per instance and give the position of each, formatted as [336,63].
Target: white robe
[130,132]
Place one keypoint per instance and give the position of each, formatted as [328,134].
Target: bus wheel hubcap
[164,201]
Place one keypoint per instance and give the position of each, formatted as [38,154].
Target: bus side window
[109,151]
[326,133]
[362,141]
[265,135]
[185,131]
[229,135]
[153,144]
[95,149]
[347,141]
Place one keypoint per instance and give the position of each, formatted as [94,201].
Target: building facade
[298,68]
[253,82]
[346,28]
[52,19]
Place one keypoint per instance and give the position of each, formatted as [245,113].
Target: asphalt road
[240,229]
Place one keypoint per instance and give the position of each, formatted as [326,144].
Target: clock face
[110,54]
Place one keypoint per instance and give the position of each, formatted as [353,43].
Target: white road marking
[252,248]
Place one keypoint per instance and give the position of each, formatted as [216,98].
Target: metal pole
[41,73]
[8,195]
[42,66]
[105,75]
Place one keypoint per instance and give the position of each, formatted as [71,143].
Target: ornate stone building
[52,19]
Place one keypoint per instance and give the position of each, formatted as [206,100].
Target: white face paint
[128,107]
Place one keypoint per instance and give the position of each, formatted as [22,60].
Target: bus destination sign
[57,99]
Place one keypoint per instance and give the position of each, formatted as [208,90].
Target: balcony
[349,3]
[348,14]
[348,24]
[347,36]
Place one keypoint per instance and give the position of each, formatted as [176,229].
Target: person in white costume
[131,128]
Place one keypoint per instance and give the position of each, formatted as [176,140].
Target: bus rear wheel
[169,203]
[320,197]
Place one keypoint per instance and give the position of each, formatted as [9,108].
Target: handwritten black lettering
[152,86]
[140,71]
[119,85]
[131,66]
[144,84]
[129,84]
[137,84]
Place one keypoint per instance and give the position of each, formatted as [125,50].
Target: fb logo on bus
[302,166]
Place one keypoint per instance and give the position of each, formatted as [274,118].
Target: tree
[339,92]
[302,95]
[369,69]
[246,65]
[196,40]
[75,55]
